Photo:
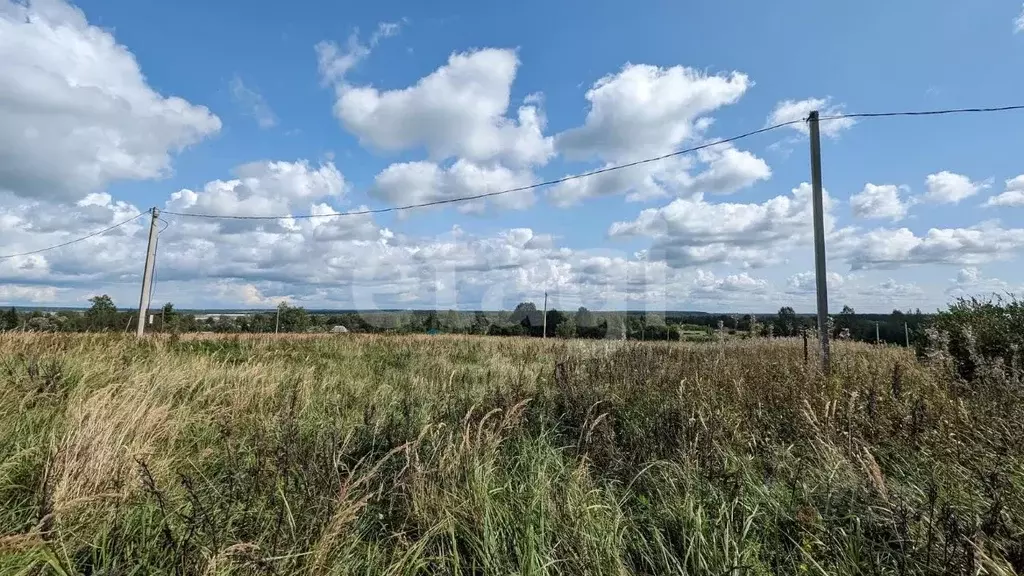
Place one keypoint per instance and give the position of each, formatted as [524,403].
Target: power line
[76,240]
[605,169]
[923,112]
[500,192]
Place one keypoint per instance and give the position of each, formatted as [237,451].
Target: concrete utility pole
[147,274]
[545,335]
[277,323]
[877,339]
[819,240]
[906,333]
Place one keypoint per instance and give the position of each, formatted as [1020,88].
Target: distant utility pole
[545,335]
[877,339]
[906,333]
[147,274]
[277,323]
[819,240]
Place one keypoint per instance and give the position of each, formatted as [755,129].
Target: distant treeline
[524,320]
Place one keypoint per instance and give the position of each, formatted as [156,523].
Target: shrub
[989,330]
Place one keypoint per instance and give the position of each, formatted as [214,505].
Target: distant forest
[525,320]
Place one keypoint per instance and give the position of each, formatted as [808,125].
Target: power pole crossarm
[147,274]
[819,240]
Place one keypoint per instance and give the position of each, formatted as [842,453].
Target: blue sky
[264,109]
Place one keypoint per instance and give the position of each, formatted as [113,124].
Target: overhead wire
[501,192]
[604,170]
[923,112]
[70,242]
[543,184]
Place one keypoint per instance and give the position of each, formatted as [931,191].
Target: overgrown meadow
[472,455]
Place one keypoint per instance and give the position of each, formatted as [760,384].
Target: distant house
[339,330]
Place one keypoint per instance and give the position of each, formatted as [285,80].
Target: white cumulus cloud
[459,110]
[970,281]
[645,110]
[890,248]
[707,283]
[725,170]
[880,202]
[969,275]
[263,189]
[891,290]
[793,110]
[1012,197]
[806,282]
[76,112]
[38,224]
[950,188]
[422,182]
[13,293]
[692,231]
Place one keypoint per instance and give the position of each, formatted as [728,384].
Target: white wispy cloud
[252,103]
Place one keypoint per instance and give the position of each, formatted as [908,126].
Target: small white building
[339,330]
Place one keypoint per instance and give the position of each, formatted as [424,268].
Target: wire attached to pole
[76,240]
[500,192]
[606,169]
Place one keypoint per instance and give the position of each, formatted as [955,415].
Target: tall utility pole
[877,339]
[906,333]
[545,335]
[147,274]
[277,323]
[819,240]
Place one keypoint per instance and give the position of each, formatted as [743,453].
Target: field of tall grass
[475,455]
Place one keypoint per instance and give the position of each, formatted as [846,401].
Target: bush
[977,330]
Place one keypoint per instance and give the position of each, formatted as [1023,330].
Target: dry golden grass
[331,454]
